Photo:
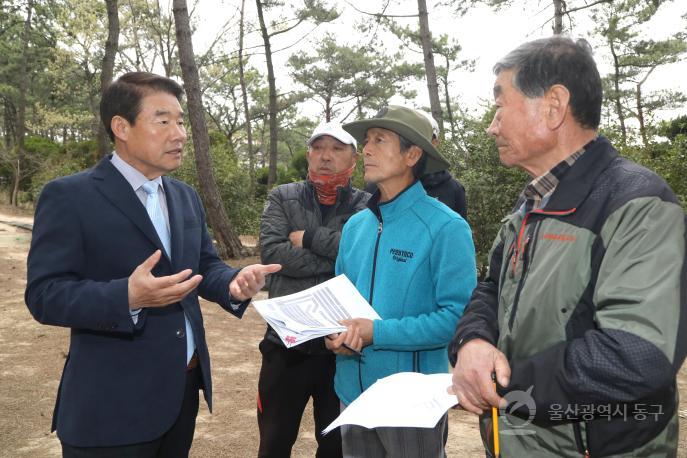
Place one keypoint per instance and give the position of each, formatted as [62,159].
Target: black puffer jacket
[294,207]
[447,189]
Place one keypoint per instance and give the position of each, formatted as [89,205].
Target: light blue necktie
[158,219]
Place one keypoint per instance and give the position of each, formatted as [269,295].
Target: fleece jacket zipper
[372,288]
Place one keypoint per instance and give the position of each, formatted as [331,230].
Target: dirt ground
[32,356]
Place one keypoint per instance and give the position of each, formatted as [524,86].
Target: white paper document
[316,311]
[406,399]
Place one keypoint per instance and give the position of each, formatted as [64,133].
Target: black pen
[350,349]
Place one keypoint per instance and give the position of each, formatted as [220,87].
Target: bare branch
[275,33]
[572,10]
[378,14]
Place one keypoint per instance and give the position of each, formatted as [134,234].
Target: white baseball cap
[432,121]
[333,129]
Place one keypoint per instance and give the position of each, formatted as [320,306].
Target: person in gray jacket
[301,227]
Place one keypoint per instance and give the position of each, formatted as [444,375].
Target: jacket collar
[577,183]
[117,190]
[397,206]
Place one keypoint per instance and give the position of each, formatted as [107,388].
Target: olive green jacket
[587,299]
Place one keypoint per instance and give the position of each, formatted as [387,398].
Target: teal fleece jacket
[413,259]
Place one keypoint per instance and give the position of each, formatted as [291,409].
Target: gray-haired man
[583,313]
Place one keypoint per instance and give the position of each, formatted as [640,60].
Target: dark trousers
[288,378]
[359,442]
[175,443]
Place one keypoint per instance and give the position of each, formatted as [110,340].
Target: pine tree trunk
[616,86]
[640,116]
[246,110]
[21,106]
[430,69]
[640,108]
[10,122]
[111,46]
[272,172]
[558,11]
[449,110]
[328,109]
[228,243]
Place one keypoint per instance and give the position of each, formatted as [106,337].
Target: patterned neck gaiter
[326,185]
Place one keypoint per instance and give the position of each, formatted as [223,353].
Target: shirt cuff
[134,315]
[237,305]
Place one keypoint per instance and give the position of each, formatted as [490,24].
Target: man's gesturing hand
[472,383]
[145,290]
[250,280]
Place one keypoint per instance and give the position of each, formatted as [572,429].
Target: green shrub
[233,181]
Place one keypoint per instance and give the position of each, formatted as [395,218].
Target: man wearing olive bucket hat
[413,259]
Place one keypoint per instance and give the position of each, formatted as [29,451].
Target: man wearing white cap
[301,226]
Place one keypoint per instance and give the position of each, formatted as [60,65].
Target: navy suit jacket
[122,383]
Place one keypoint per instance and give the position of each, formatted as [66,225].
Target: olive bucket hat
[405,122]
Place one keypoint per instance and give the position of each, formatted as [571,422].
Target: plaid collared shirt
[538,191]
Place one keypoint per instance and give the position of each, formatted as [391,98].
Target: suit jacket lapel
[114,187]
[176,220]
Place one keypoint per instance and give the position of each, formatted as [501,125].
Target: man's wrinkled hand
[250,280]
[146,290]
[296,238]
[472,382]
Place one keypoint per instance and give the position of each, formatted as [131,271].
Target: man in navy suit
[120,254]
